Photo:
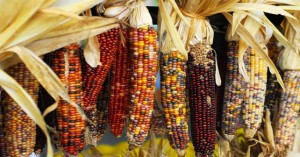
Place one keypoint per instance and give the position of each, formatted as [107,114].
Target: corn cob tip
[229,138]
[132,147]
[249,133]
[180,152]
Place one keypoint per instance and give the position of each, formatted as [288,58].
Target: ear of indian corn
[66,64]
[44,101]
[19,129]
[235,86]
[289,102]
[2,135]
[201,74]
[222,64]
[119,92]
[102,106]
[94,77]
[174,99]
[158,121]
[143,48]
[273,88]
[253,106]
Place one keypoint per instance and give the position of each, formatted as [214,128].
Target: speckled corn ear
[289,105]
[94,77]
[120,85]
[201,74]
[253,106]
[19,129]
[174,99]
[235,87]
[66,64]
[2,135]
[143,48]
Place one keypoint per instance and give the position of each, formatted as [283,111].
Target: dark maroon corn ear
[201,74]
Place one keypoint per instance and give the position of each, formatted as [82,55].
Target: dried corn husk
[22,29]
[289,59]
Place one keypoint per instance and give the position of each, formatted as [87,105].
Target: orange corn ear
[174,99]
[19,129]
[2,136]
[66,64]
[142,45]
[119,92]
[94,77]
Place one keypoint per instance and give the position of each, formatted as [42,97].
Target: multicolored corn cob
[221,50]
[174,99]
[44,101]
[143,48]
[2,135]
[119,92]
[253,106]
[273,87]
[94,77]
[102,107]
[235,87]
[158,121]
[19,129]
[201,74]
[288,111]
[66,64]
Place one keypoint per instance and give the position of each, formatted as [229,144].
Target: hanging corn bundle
[103,107]
[94,78]
[66,64]
[289,103]
[2,135]
[18,128]
[23,38]
[119,92]
[143,48]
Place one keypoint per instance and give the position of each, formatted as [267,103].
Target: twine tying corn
[143,47]
[174,99]
[201,74]
[119,92]
[253,106]
[19,129]
[235,87]
[94,78]
[288,110]
[66,64]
